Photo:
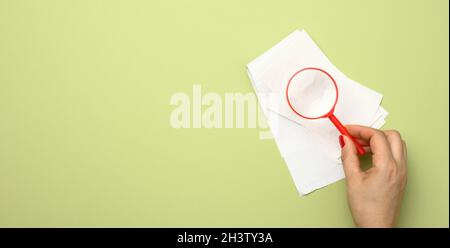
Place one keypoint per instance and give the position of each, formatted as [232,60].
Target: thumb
[349,156]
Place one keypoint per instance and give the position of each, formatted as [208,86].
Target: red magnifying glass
[312,93]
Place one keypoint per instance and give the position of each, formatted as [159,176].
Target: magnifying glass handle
[344,131]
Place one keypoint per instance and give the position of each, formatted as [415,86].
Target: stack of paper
[309,147]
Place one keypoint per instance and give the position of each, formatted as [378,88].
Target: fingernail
[341,141]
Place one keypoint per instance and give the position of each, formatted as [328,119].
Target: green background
[85,138]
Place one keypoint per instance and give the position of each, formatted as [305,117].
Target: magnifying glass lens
[312,93]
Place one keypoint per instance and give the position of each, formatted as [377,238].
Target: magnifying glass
[312,93]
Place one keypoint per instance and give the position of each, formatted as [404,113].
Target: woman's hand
[375,195]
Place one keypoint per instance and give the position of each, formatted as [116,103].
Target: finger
[374,137]
[350,159]
[362,142]
[377,140]
[396,143]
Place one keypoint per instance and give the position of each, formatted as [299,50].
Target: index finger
[377,140]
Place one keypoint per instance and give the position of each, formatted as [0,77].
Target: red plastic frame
[330,114]
[335,86]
